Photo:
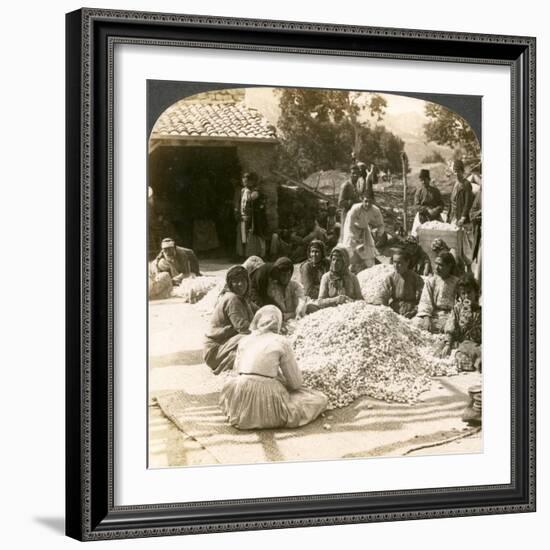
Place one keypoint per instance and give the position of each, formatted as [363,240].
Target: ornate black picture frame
[90,510]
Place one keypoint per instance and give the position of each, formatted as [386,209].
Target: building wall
[265,101]
[259,158]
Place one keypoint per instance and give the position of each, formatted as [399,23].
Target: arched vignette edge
[87,530]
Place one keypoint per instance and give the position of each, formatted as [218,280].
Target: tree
[447,128]
[321,128]
[433,157]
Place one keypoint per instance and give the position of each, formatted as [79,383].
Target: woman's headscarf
[468,282]
[267,319]
[337,277]
[260,277]
[447,259]
[280,266]
[316,243]
[343,252]
[233,273]
[439,245]
[252,263]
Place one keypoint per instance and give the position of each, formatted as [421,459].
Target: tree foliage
[432,157]
[321,128]
[447,128]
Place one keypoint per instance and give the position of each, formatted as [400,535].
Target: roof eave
[163,139]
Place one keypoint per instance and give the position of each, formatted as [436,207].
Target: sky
[398,104]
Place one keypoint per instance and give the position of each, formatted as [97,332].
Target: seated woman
[272,284]
[314,268]
[230,321]
[419,261]
[252,263]
[403,287]
[463,326]
[439,245]
[268,392]
[438,295]
[338,285]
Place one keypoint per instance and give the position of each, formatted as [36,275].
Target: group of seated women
[258,297]
[255,284]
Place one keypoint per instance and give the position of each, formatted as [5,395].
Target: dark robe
[311,275]
[461,201]
[230,321]
[346,199]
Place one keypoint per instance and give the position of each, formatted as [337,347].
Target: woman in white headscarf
[266,391]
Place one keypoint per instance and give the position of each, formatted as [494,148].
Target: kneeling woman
[267,392]
[230,321]
[438,296]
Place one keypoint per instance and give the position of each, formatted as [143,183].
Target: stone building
[198,150]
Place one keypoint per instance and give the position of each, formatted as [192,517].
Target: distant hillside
[410,128]
[417,151]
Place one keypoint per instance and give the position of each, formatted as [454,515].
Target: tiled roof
[230,121]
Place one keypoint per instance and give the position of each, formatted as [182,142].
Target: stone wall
[260,158]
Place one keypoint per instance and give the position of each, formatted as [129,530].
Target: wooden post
[405,167]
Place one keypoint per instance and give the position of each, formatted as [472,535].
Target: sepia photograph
[314,274]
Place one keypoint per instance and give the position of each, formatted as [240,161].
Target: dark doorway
[193,197]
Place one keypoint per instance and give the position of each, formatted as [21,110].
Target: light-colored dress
[287,298]
[333,286]
[376,220]
[267,392]
[436,302]
[357,238]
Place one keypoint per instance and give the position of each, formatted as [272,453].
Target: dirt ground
[198,435]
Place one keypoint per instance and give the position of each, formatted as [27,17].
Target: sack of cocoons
[371,280]
[193,289]
[440,226]
[357,350]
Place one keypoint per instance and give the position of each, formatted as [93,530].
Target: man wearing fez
[428,199]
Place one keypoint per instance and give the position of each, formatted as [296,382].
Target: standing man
[348,193]
[461,197]
[357,237]
[375,221]
[366,180]
[251,219]
[475,217]
[362,180]
[371,180]
[459,213]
